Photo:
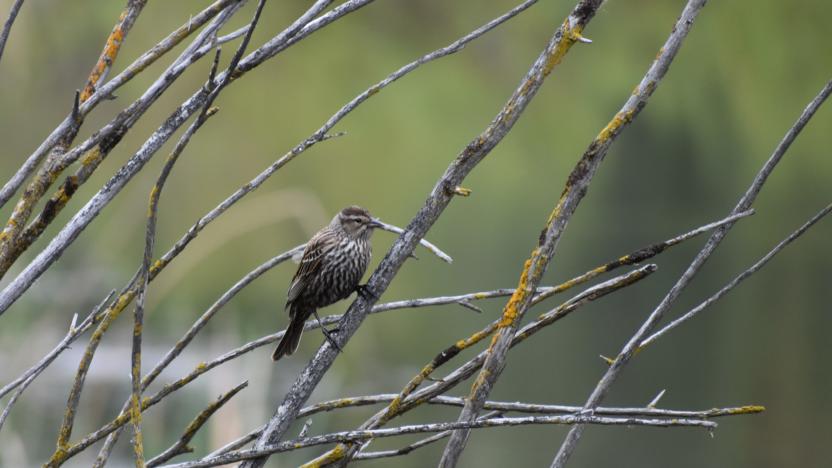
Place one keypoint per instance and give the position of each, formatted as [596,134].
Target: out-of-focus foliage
[742,77]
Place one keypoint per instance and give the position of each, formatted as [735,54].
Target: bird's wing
[310,263]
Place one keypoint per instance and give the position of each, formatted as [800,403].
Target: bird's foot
[331,339]
[328,333]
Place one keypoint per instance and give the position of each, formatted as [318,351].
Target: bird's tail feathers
[291,339]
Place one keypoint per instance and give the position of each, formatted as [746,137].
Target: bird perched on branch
[333,262]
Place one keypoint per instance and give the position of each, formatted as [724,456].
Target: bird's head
[356,222]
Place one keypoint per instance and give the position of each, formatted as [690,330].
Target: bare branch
[181,446]
[652,321]
[434,249]
[362,435]
[75,330]
[111,48]
[106,91]
[7,28]
[94,150]
[739,279]
[517,407]
[574,191]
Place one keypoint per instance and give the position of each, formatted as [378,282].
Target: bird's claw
[330,339]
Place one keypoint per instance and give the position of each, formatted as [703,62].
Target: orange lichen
[569,35]
[510,311]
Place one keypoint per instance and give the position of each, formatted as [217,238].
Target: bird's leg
[326,333]
[364,291]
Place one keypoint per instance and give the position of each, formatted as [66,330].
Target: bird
[333,262]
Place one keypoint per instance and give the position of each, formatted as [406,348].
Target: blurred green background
[741,79]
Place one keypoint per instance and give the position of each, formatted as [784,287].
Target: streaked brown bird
[333,262]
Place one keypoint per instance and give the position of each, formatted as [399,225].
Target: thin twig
[416,445]
[434,249]
[534,408]
[181,446]
[362,435]
[144,276]
[739,279]
[627,352]
[75,330]
[7,28]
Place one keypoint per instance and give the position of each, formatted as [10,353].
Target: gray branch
[7,27]
[105,91]
[739,279]
[604,385]
[361,435]
[181,446]
[576,187]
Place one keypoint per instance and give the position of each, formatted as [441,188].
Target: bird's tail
[291,339]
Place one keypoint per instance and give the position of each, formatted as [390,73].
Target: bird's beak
[375,223]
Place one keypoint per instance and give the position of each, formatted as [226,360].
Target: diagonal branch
[33,372]
[41,182]
[576,187]
[629,349]
[739,279]
[94,150]
[181,446]
[105,91]
[7,27]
